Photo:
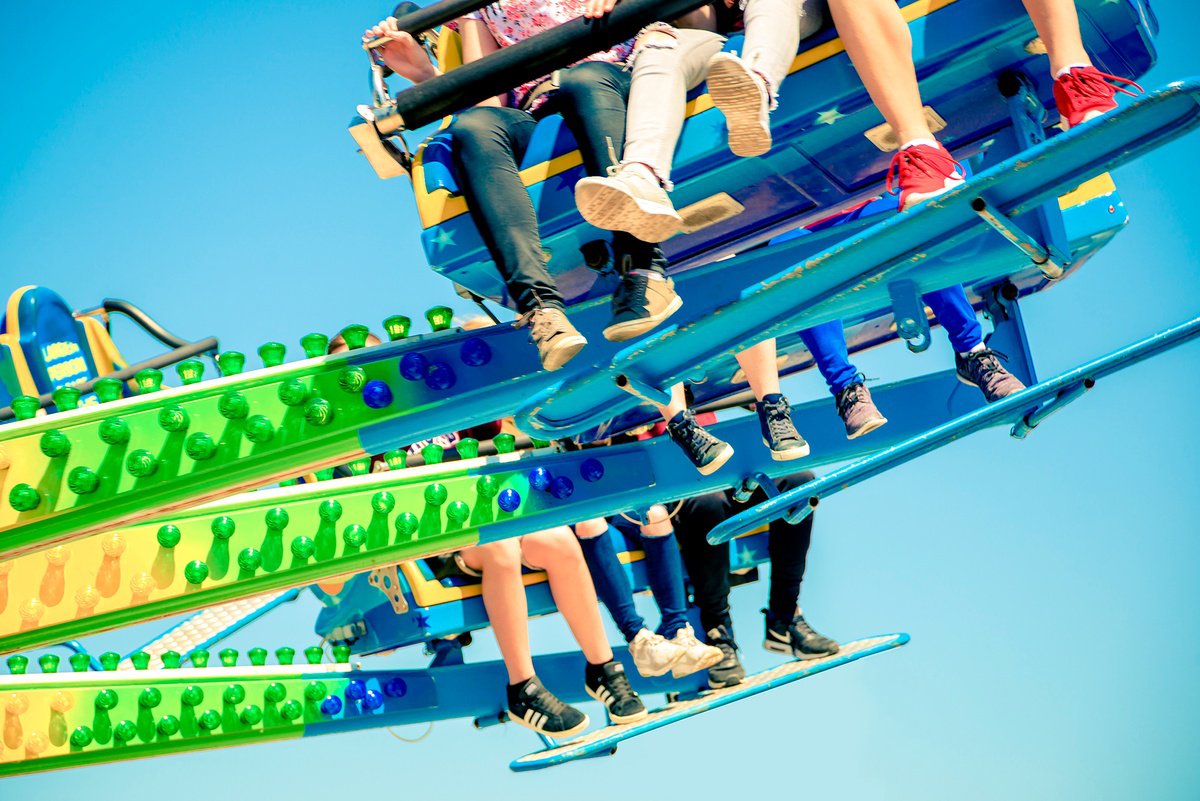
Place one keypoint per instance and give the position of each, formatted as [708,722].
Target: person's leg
[759,363]
[779,433]
[975,363]
[826,343]
[504,600]
[612,585]
[704,450]
[664,570]
[1057,24]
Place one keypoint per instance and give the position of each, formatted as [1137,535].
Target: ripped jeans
[774,29]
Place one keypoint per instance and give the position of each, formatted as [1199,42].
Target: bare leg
[761,369]
[878,42]
[557,552]
[1057,24]
[504,599]
[677,404]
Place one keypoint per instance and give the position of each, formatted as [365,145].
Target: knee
[812,17]
[476,123]
[582,79]
[551,549]
[590,529]
[656,36]
[658,522]
[500,557]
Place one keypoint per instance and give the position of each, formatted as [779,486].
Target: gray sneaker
[982,368]
[742,96]
[557,340]
[858,411]
[629,199]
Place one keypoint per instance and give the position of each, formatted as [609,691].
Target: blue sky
[193,159]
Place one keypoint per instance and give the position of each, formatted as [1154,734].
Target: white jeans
[774,29]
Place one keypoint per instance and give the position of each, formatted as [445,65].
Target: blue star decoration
[421,621]
[443,239]
[829,116]
[747,554]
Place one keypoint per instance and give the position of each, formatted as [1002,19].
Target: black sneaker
[535,707]
[796,638]
[706,451]
[729,670]
[608,685]
[982,368]
[778,432]
[641,302]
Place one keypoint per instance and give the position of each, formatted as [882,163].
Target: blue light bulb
[508,500]
[395,687]
[377,394]
[331,705]
[372,700]
[562,488]
[414,366]
[475,352]
[355,690]
[441,376]
[539,479]
[591,470]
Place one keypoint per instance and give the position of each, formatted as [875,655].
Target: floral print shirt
[510,21]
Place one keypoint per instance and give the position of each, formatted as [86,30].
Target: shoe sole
[563,352]
[779,648]
[914,198]
[736,95]
[723,685]
[789,454]
[717,463]
[962,380]
[703,664]
[561,735]
[868,427]
[611,209]
[620,720]
[622,332]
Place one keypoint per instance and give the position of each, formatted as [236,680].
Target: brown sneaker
[639,304]
[556,339]
[742,96]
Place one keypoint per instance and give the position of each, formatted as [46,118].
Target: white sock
[914,142]
[978,347]
[1067,69]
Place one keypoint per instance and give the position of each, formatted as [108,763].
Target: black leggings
[488,146]
[708,565]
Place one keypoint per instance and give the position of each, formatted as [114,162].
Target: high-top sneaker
[535,707]
[858,411]
[642,301]
[982,368]
[796,638]
[556,339]
[778,432]
[705,451]
[608,684]
[729,670]
[630,198]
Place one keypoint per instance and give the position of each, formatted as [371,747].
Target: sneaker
[729,670]
[653,654]
[630,199]
[858,411]
[778,432]
[557,340]
[796,638]
[640,303]
[1084,93]
[706,451]
[981,368]
[922,172]
[696,655]
[742,96]
[535,707]
[608,685]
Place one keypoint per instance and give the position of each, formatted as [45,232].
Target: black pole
[425,19]
[525,61]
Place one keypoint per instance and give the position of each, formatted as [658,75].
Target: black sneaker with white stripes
[535,707]
[608,685]
[796,638]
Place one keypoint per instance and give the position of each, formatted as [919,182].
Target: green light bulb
[330,511]
[209,721]
[25,407]
[83,481]
[259,429]
[292,710]
[315,691]
[24,498]
[467,448]
[433,454]
[199,657]
[435,494]
[191,371]
[396,458]
[352,379]
[49,663]
[234,694]
[314,345]
[82,737]
[250,715]
[228,657]
[233,405]
[272,353]
[171,660]
[277,518]
[303,548]
[285,655]
[148,380]
[397,327]
[200,447]
[293,392]
[168,726]
[80,663]
[354,537]
[17,663]
[406,526]
[505,443]
[173,419]
[359,467]
[318,412]
[140,660]
[124,732]
[487,487]
[109,660]
[108,389]
[141,463]
[168,535]
[355,336]
[249,560]
[341,654]
[55,444]
[106,700]
[192,695]
[324,474]
[231,362]
[275,691]
[195,572]
[150,698]
[439,317]
[258,656]
[314,654]
[222,527]
[458,512]
[114,431]
[66,398]
[383,502]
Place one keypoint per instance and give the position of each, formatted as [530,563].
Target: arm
[477,42]
[402,54]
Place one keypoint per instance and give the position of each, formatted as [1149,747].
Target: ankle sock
[978,347]
[772,397]
[1068,68]
[914,142]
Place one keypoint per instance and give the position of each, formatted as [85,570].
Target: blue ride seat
[830,152]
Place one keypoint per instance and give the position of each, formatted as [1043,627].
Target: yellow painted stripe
[438,206]
[1088,190]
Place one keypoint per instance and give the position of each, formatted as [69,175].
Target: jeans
[664,570]
[774,29]
[827,342]
[663,73]
[488,146]
[708,565]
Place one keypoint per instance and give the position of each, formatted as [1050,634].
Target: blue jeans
[664,569]
[827,342]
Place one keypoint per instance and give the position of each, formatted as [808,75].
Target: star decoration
[829,116]
[747,554]
[422,621]
[444,238]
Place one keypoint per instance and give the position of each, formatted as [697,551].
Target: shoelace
[779,420]
[632,284]
[986,361]
[619,686]
[1091,83]
[540,321]
[851,395]
[925,160]
[547,702]
[801,625]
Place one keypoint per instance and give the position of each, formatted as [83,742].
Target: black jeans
[708,565]
[488,146]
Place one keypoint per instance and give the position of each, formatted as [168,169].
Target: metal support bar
[640,389]
[1026,424]
[487,721]
[1050,262]
[909,312]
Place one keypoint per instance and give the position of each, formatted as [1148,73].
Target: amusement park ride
[125,500]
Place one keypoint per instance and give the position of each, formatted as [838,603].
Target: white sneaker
[696,655]
[652,654]
[629,199]
[741,95]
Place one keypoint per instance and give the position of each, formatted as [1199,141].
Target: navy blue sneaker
[608,684]
[704,450]
[778,431]
[535,707]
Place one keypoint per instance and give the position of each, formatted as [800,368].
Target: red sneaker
[923,172]
[1084,93]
